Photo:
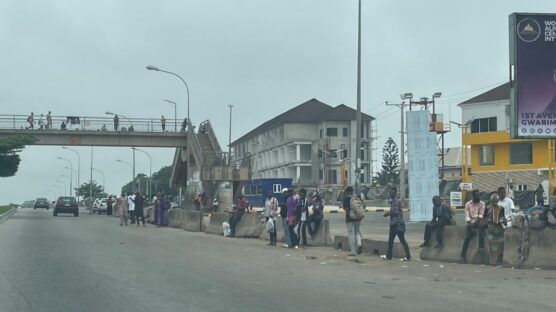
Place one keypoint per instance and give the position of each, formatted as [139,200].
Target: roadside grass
[6,208]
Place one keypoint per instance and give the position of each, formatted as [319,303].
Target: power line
[475,90]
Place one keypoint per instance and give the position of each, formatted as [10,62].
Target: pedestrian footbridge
[97,131]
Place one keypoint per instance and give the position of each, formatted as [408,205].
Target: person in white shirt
[511,192]
[506,203]
[131,207]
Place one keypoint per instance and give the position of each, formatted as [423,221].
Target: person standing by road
[237,212]
[302,209]
[116,122]
[49,121]
[510,192]
[507,204]
[291,208]
[539,194]
[441,216]
[31,121]
[271,213]
[122,202]
[353,225]
[495,231]
[284,216]
[131,207]
[164,207]
[139,206]
[109,203]
[163,123]
[474,212]
[157,211]
[397,226]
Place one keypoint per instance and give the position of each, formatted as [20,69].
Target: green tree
[9,149]
[160,182]
[84,189]
[390,171]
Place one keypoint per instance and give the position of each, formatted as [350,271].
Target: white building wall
[485,110]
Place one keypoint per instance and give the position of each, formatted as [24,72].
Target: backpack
[356,208]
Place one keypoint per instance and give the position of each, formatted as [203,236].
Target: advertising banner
[422,165]
[533,75]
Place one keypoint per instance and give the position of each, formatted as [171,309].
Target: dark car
[66,204]
[41,203]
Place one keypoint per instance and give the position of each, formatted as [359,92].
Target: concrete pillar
[298,154]
[298,171]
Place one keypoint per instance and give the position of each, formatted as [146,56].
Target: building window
[331,132]
[362,178]
[362,130]
[332,177]
[277,188]
[345,132]
[320,153]
[522,187]
[521,153]
[486,155]
[320,133]
[320,175]
[484,125]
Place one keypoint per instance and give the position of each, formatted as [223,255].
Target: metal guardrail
[87,123]
[207,128]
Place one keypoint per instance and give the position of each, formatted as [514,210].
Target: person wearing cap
[284,216]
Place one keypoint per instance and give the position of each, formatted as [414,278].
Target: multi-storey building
[496,159]
[312,143]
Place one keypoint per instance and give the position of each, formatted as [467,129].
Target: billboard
[533,75]
[422,162]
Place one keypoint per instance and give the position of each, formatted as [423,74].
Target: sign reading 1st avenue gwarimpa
[533,75]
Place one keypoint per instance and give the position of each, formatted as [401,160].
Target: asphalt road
[90,263]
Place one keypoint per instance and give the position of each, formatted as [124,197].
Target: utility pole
[133,173]
[401,106]
[91,183]
[358,114]
[230,137]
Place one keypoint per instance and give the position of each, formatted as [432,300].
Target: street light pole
[78,167]
[103,178]
[132,170]
[150,67]
[358,114]
[71,173]
[150,168]
[175,114]
[401,106]
[65,187]
[230,137]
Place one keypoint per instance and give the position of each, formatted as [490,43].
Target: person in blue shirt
[397,226]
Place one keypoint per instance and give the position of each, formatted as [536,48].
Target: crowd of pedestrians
[131,208]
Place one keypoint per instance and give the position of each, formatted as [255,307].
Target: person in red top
[238,211]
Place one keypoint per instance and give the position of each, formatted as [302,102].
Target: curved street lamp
[78,167]
[103,178]
[150,168]
[150,67]
[71,173]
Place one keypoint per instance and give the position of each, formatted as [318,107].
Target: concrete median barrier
[453,237]
[535,250]
[322,237]
[193,221]
[249,225]
[371,247]
[215,224]
[176,218]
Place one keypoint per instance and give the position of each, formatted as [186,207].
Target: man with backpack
[314,220]
[441,216]
[397,226]
[302,206]
[354,208]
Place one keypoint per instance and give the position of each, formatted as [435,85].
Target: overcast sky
[262,56]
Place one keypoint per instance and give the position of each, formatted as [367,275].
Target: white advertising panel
[422,165]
